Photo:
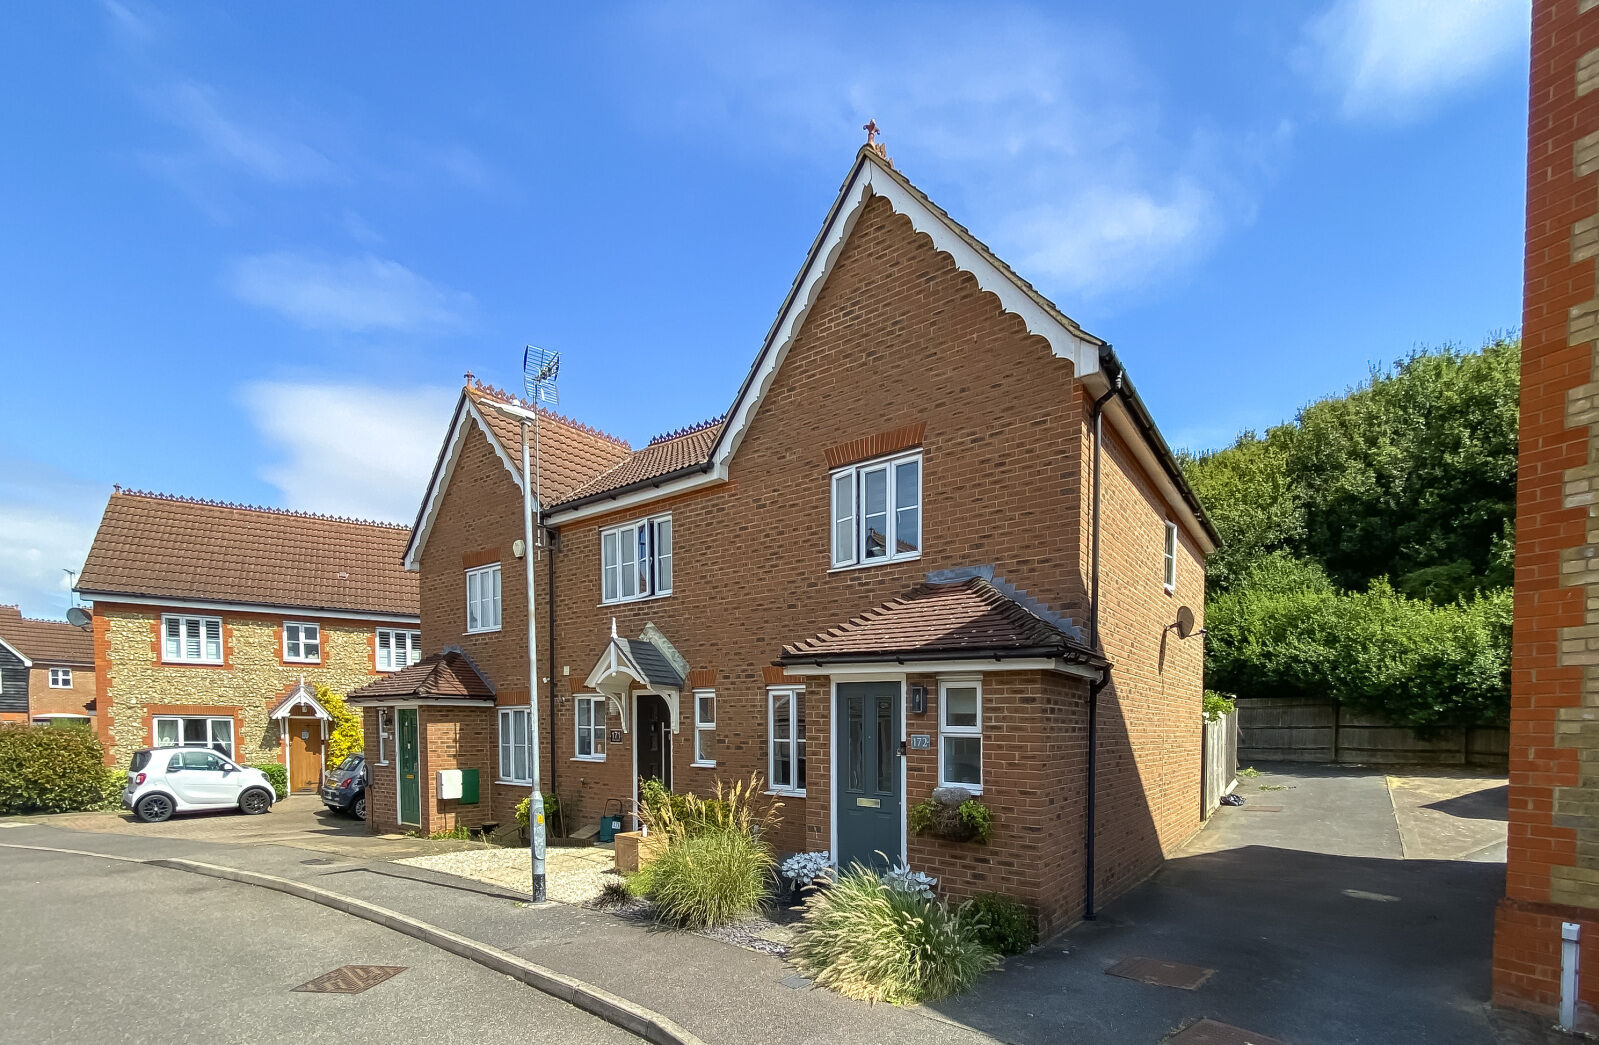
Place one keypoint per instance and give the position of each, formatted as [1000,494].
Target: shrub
[969,821]
[278,774]
[900,877]
[111,789]
[1217,706]
[806,868]
[44,770]
[868,941]
[554,822]
[674,817]
[1001,923]
[711,878]
[344,738]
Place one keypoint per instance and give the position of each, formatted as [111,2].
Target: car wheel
[254,802]
[153,809]
[358,808]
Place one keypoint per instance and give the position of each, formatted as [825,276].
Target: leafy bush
[44,770]
[970,821]
[344,738]
[1001,923]
[868,941]
[554,822]
[901,878]
[806,868]
[111,789]
[1285,632]
[711,878]
[1218,706]
[278,774]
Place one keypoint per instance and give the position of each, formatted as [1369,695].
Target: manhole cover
[1160,973]
[350,979]
[1209,1032]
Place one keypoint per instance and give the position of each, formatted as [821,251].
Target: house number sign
[616,736]
[921,741]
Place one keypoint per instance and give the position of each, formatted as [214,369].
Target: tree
[345,737]
[1254,502]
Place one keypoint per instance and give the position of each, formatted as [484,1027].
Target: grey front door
[868,797]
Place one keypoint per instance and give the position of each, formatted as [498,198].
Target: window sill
[480,631]
[698,764]
[785,794]
[302,663]
[516,783]
[587,758]
[193,664]
[874,562]
[975,789]
[629,602]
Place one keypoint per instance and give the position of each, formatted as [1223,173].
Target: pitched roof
[159,546]
[449,675]
[45,641]
[662,457]
[570,453]
[965,619]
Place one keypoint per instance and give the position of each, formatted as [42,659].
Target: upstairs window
[877,511]
[397,649]
[636,560]
[1171,556]
[483,599]
[302,643]
[60,678]
[191,640]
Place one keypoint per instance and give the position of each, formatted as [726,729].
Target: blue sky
[248,252]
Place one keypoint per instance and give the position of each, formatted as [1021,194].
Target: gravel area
[769,931]
[572,875]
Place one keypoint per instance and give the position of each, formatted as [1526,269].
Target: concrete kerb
[635,1019]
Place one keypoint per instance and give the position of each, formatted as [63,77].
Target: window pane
[960,706]
[963,760]
[843,518]
[222,735]
[213,640]
[174,638]
[885,745]
[505,745]
[519,752]
[191,638]
[385,652]
[643,559]
[473,587]
[166,732]
[585,741]
[584,710]
[782,749]
[799,741]
[195,732]
[707,705]
[663,555]
[907,507]
[780,717]
[608,567]
[494,613]
[627,561]
[415,647]
[874,512]
[857,744]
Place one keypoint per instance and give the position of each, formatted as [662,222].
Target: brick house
[214,624]
[1552,866]
[875,575]
[46,670]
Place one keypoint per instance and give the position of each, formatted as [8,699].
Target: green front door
[410,775]
[867,725]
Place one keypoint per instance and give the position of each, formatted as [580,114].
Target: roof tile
[46,641]
[448,674]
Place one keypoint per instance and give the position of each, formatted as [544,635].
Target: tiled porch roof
[970,618]
[447,675]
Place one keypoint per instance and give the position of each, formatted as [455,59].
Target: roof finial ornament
[613,627]
[468,375]
[872,131]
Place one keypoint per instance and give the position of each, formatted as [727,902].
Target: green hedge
[278,774]
[44,770]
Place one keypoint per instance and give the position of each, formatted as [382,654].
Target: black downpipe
[1093,644]
[549,599]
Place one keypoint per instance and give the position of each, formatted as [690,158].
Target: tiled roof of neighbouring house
[972,617]
[160,546]
[45,641]
[662,457]
[446,675]
[570,454]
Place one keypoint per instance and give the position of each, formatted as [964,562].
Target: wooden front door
[305,754]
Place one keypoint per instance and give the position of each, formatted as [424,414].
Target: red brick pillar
[1552,873]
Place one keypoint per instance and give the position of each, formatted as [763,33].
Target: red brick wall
[76,700]
[1550,822]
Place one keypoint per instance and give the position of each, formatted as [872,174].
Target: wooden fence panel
[1310,729]
[1221,760]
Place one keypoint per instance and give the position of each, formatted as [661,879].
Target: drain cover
[1160,973]
[1209,1032]
[350,979]
[795,982]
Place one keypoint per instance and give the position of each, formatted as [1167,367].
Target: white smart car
[167,780]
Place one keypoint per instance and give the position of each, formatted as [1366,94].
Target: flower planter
[634,850]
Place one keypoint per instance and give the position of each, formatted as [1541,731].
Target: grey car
[344,790]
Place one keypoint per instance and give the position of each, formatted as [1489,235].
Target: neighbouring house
[46,670]
[215,623]
[875,575]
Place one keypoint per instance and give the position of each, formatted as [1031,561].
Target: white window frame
[60,678]
[485,601]
[1171,556]
[384,722]
[302,626]
[595,728]
[947,730]
[703,726]
[795,741]
[201,626]
[413,647]
[210,732]
[849,512]
[510,741]
[658,564]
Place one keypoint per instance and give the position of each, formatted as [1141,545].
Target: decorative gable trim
[466,414]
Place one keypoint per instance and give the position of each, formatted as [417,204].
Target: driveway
[1336,906]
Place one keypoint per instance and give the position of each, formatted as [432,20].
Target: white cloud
[357,450]
[47,522]
[359,294]
[221,140]
[1049,139]
[1390,59]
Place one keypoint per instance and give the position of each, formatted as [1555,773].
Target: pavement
[1317,927]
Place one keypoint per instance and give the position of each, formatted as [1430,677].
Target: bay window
[877,511]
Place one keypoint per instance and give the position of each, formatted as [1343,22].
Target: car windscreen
[351,763]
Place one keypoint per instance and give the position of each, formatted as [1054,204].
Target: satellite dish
[78,617]
[1185,622]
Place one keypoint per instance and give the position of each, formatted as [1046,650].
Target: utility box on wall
[449,783]
[460,785]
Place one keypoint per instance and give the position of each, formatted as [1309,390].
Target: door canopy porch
[649,664]
[300,702]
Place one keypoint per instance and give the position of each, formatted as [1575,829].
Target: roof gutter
[622,491]
[1075,655]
